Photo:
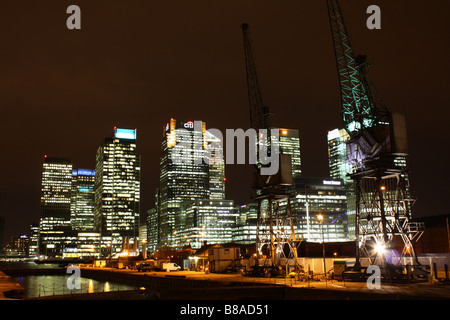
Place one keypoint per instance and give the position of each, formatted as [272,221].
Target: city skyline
[76,96]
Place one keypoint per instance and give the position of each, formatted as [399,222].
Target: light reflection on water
[46,285]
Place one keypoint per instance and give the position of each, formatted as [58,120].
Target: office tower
[186,176]
[207,221]
[312,197]
[216,170]
[82,204]
[153,224]
[340,168]
[320,197]
[337,155]
[183,177]
[289,143]
[117,190]
[34,240]
[244,231]
[87,245]
[55,205]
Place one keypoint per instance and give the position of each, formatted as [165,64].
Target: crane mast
[274,230]
[377,151]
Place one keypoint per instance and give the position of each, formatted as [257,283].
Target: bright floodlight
[379,248]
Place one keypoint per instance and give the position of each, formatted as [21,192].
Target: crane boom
[358,107]
[259,114]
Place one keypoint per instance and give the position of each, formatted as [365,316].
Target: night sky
[136,64]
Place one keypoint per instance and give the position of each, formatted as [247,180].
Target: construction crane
[259,113]
[377,150]
[275,236]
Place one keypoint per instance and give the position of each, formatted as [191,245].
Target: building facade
[289,144]
[207,221]
[318,208]
[83,196]
[244,231]
[192,168]
[54,224]
[117,190]
[341,169]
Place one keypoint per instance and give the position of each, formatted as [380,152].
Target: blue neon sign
[83,172]
[125,133]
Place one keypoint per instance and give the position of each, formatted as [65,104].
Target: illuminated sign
[189,125]
[125,133]
[84,190]
[332,182]
[83,172]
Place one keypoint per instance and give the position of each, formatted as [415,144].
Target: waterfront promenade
[192,285]
[200,285]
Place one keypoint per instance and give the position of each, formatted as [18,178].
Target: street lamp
[320,217]
[110,253]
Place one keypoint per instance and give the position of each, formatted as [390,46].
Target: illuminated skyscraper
[117,189]
[55,205]
[216,170]
[207,220]
[34,240]
[289,143]
[185,176]
[340,169]
[337,154]
[83,195]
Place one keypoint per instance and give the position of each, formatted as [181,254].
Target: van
[170,266]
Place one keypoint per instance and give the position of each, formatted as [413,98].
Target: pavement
[423,289]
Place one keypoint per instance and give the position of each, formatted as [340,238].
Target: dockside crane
[275,232]
[378,151]
[259,113]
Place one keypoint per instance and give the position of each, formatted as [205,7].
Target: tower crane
[377,150]
[275,231]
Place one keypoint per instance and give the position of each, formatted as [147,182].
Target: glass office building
[313,197]
[289,143]
[341,169]
[319,209]
[54,224]
[117,190]
[34,241]
[337,154]
[82,204]
[244,231]
[207,221]
[192,168]
[183,175]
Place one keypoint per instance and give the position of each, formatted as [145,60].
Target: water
[56,284]
[47,285]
